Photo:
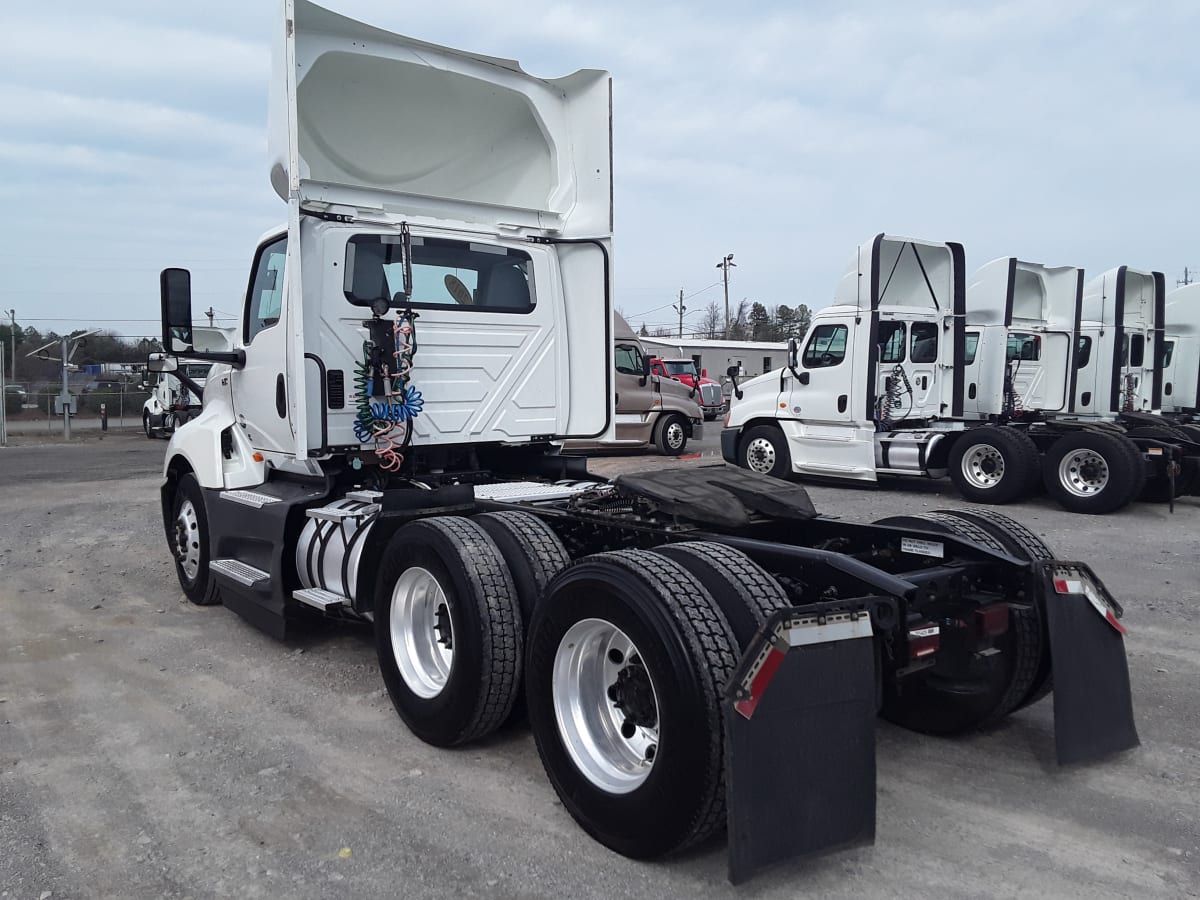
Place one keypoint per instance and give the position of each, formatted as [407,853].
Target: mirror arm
[235,358]
[189,384]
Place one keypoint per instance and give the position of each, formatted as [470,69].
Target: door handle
[280,397]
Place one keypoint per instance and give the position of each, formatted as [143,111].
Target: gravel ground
[152,748]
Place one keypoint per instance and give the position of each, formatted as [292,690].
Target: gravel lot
[151,748]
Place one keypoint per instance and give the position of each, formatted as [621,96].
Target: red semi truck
[685,370]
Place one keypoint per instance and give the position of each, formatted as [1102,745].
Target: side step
[249,498]
[236,570]
[319,598]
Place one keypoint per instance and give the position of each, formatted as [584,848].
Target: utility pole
[1187,278]
[679,308]
[12,340]
[210,316]
[724,265]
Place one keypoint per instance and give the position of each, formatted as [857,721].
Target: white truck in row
[696,647]
[1021,376]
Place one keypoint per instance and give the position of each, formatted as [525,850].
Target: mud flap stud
[1093,706]
[800,740]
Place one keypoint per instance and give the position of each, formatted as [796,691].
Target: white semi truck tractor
[696,646]
[910,373]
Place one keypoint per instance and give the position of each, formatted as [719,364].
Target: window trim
[258,255]
[457,307]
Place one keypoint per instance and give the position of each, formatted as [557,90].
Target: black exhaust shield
[800,741]
[1093,706]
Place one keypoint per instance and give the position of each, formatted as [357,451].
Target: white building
[753,357]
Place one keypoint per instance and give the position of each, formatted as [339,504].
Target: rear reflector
[923,640]
[1079,586]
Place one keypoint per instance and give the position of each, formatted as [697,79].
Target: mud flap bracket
[800,740]
[1093,706]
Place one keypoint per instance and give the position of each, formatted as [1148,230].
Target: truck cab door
[634,401]
[260,388]
[818,417]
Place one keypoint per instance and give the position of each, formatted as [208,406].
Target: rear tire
[625,648]
[1023,544]
[745,591]
[994,464]
[447,630]
[763,449]
[146,426]
[672,434]
[533,552]
[950,698]
[1093,472]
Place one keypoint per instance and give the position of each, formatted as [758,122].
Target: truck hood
[374,121]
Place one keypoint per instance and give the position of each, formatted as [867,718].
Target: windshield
[680,367]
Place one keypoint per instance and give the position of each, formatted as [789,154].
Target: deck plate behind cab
[718,495]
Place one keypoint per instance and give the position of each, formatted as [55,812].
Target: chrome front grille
[711,394]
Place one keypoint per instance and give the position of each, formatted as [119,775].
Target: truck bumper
[729,439]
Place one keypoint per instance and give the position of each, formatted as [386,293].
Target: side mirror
[175,288]
[704,373]
[793,354]
[162,362]
[645,371]
[732,374]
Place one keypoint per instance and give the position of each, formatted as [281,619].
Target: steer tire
[188,535]
[1093,472]
[1023,544]
[745,591]
[994,464]
[671,434]
[764,449]
[478,601]
[670,797]
[146,426]
[947,699]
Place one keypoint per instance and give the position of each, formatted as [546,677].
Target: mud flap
[1093,707]
[800,740]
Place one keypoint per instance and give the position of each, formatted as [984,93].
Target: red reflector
[923,641]
[759,683]
[1068,586]
[1114,622]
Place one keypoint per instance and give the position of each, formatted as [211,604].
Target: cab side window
[628,360]
[826,347]
[970,348]
[1083,352]
[924,342]
[265,304]
[891,342]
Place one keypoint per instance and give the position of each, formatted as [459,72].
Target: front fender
[198,445]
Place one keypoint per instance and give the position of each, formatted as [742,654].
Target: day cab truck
[650,408]
[685,371]
[914,373]
[1181,364]
[696,648]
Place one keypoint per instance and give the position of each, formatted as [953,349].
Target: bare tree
[712,323]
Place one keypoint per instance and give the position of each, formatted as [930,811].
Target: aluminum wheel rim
[1083,473]
[760,456]
[983,466]
[187,540]
[675,435]
[614,748]
[422,632]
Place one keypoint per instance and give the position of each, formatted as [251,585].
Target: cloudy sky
[133,136]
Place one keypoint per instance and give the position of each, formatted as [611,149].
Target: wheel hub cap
[675,435]
[760,456]
[983,466]
[422,632]
[605,706]
[1083,473]
[187,540]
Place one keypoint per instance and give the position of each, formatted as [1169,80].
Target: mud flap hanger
[800,757]
[1093,707]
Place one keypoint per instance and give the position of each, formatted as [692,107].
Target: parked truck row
[697,649]
[1021,377]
